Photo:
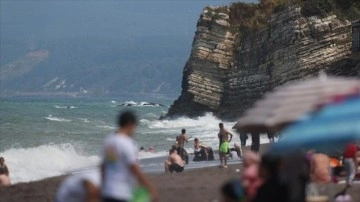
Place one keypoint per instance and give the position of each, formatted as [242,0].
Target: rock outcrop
[225,77]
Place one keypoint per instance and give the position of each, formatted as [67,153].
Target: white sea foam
[29,164]
[53,118]
[208,121]
[64,107]
[85,120]
[145,155]
[107,127]
[140,104]
[205,128]
[131,103]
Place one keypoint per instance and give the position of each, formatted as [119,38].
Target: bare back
[224,135]
[175,158]
[182,139]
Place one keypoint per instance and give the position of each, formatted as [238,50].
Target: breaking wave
[140,104]
[29,164]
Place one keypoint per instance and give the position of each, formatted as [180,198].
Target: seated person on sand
[83,187]
[181,152]
[4,173]
[174,162]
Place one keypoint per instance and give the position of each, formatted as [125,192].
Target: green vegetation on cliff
[246,18]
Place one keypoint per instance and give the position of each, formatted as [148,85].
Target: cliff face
[226,77]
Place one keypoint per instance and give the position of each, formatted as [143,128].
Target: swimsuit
[224,147]
[2,170]
[175,167]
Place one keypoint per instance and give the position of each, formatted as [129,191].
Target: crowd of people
[119,171]
[291,178]
[264,178]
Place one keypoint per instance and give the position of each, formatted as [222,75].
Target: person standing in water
[119,167]
[224,137]
[182,139]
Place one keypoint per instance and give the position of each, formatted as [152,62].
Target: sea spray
[28,164]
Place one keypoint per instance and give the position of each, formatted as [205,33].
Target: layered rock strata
[225,77]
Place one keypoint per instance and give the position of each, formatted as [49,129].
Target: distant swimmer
[224,138]
[83,187]
[174,162]
[152,149]
[4,173]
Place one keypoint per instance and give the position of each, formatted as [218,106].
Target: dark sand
[201,185]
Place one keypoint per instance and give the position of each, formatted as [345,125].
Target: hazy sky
[104,19]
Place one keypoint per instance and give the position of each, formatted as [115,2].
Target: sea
[42,137]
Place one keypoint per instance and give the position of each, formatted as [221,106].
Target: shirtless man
[182,139]
[174,162]
[225,137]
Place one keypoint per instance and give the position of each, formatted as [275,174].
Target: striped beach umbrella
[332,127]
[290,102]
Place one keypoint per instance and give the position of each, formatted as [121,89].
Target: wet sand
[201,185]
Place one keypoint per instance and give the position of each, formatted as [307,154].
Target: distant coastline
[81,95]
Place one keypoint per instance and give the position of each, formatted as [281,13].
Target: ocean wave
[208,121]
[84,120]
[53,118]
[107,127]
[29,164]
[140,104]
[146,155]
[64,107]
[204,127]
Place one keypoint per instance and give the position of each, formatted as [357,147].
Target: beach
[194,184]
[200,185]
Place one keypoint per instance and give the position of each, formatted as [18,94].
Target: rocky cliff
[226,76]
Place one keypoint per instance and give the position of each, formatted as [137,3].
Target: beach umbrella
[332,127]
[290,102]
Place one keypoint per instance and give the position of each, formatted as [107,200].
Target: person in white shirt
[82,187]
[119,168]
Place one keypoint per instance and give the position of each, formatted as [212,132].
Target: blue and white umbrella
[332,127]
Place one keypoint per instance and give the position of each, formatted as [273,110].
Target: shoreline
[191,185]
[194,184]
